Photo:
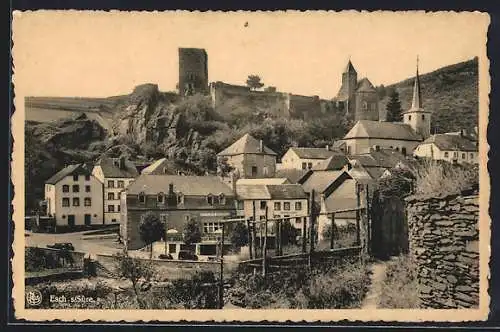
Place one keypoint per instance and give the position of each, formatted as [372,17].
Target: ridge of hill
[451,93]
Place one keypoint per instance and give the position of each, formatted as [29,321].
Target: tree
[134,270]
[288,233]
[151,229]
[192,233]
[239,235]
[254,82]
[223,167]
[394,108]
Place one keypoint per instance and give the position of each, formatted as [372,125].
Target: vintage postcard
[250,166]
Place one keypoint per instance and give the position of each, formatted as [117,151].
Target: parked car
[167,256]
[187,256]
[62,246]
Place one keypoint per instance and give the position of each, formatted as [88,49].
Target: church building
[404,137]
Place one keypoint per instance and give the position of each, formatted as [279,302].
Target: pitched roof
[364,85]
[161,166]
[451,142]
[188,185]
[384,130]
[313,153]
[154,166]
[67,171]
[335,162]
[111,168]
[246,144]
[292,174]
[320,180]
[274,191]
[263,181]
[349,68]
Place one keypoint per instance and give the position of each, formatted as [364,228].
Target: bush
[400,287]
[34,260]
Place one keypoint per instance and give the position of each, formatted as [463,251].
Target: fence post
[311,230]
[264,257]
[281,239]
[249,234]
[332,233]
[277,236]
[304,237]
[368,219]
[221,286]
[254,242]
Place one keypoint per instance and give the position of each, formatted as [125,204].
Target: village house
[449,147]
[307,158]
[250,158]
[74,197]
[175,200]
[281,201]
[403,137]
[115,174]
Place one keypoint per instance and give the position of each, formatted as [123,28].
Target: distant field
[46,115]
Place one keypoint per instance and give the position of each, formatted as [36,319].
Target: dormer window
[222,199]
[180,198]
[142,198]
[210,199]
[160,198]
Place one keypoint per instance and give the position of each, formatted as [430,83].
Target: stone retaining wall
[444,239]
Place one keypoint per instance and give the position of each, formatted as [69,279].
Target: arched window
[160,198]
[142,198]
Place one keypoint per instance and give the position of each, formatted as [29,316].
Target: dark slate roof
[335,162]
[79,169]
[110,170]
[188,185]
[286,191]
[349,68]
[293,175]
[320,180]
[384,130]
[246,144]
[451,142]
[365,85]
[313,153]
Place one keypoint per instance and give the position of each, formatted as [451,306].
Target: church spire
[349,68]
[417,97]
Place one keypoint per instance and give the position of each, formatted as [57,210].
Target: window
[403,151]
[216,200]
[277,206]
[111,184]
[210,199]
[180,198]
[222,199]
[455,154]
[240,205]
[446,154]
[142,198]
[111,196]
[254,170]
[87,177]
[118,208]
[309,165]
[211,227]
[87,201]
[121,184]
[111,208]
[463,155]
[298,206]
[471,155]
[365,105]
[423,116]
[76,188]
[409,117]
[160,198]
[65,188]
[87,189]
[298,220]
[76,201]
[75,177]
[172,248]
[65,201]
[113,220]
[286,206]
[348,150]
[304,165]
[263,205]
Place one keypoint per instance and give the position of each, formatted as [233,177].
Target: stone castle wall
[444,239]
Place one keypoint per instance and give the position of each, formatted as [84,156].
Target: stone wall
[444,239]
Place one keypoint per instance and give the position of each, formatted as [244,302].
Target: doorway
[71,220]
[88,219]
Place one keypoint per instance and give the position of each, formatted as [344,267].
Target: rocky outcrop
[444,239]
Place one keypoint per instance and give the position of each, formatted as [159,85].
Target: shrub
[34,260]
[400,287]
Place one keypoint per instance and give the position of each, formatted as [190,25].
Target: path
[377,277]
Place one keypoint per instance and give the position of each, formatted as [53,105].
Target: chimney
[261,146]
[122,162]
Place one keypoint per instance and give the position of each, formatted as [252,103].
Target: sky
[99,54]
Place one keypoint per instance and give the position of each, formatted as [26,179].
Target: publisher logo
[34,297]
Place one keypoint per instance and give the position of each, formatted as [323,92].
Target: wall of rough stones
[444,239]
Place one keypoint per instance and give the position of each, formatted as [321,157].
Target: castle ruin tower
[418,118]
[348,88]
[193,71]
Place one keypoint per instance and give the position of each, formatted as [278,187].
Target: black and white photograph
[297,164]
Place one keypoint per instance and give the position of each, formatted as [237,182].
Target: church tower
[418,118]
[348,88]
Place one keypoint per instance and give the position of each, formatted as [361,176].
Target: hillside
[451,93]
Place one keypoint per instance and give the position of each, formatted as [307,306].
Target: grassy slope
[451,93]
